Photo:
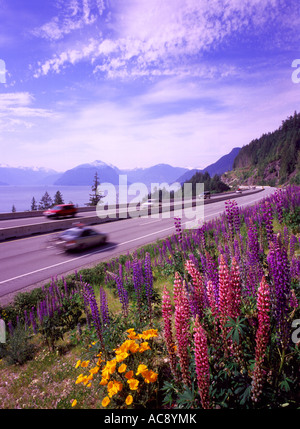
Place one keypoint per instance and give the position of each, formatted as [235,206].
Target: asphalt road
[30,262]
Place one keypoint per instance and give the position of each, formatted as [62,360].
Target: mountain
[225,163]
[83,175]
[26,175]
[160,173]
[273,159]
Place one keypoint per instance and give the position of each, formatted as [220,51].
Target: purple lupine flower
[148,282]
[178,228]
[268,219]
[104,307]
[137,277]
[279,270]
[278,199]
[95,312]
[293,243]
[254,270]
[33,321]
[122,292]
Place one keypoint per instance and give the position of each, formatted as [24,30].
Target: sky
[136,83]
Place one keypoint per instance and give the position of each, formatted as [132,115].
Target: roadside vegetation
[202,319]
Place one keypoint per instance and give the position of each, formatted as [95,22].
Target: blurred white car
[79,238]
[238,191]
[150,203]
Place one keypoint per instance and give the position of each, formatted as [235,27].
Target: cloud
[73,15]
[16,111]
[151,38]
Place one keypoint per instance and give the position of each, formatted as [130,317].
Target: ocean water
[21,196]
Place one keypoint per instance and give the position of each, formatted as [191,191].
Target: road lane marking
[83,256]
[100,251]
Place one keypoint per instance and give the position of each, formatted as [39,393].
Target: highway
[30,261]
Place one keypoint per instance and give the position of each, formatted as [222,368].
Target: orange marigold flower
[122,368]
[133,383]
[144,346]
[129,400]
[105,401]
[141,369]
[129,374]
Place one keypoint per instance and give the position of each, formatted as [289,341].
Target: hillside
[273,159]
[225,163]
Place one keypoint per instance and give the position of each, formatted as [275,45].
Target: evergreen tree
[94,197]
[33,204]
[13,209]
[46,202]
[58,198]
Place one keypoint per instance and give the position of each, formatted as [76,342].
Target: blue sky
[140,82]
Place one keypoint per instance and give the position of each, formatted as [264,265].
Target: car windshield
[74,232]
[57,208]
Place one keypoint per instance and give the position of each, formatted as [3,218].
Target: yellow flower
[141,369]
[134,347]
[81,378]
[85,363]
[149,334]
[144,346]
[133,383]
[122,368]
[129,400]
[122,356]
[78,364]
[103,382]
[150,376]
[105,401]
[94,370]
[132,334]
[74,403]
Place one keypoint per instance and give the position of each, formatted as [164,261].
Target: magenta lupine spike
[202,364]
[262,338]
[178,287]
[235,290]
[168,333]
[182,325]
[198,293]
[182,339]
[225,297]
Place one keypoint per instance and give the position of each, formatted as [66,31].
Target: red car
[61,210]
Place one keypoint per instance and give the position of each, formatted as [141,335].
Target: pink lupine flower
[202,363]
[224,300]
[168,334]
[182,324]
[178,287]
[262,337]
[212,299]
[236,291]
[198,287]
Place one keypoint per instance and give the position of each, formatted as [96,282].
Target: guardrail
[59,225]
